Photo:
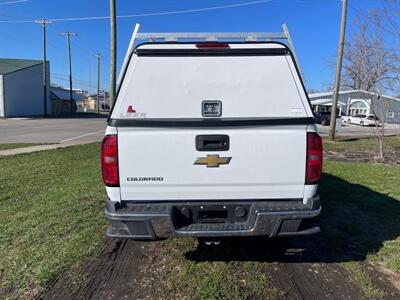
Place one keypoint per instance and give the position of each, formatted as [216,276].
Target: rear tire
[362,124]
[324,122]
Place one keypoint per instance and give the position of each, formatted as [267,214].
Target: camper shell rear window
[171,82]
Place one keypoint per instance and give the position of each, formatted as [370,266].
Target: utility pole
[68,35]
[332,129]
[44,23]
[113,67]
[98,55]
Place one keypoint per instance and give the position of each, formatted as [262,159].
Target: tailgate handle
[212,143]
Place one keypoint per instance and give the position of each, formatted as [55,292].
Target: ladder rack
[212,36]
[209,37]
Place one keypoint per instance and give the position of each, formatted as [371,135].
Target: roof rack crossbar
[209,36]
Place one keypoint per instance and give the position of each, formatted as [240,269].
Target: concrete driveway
[356,130]
[57,130]
[91,129]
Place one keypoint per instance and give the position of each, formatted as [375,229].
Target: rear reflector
[131,109]
[212,45]
[314,158]
[109,160]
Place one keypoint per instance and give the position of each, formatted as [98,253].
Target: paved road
[355,130]
[90,129]
[60,130]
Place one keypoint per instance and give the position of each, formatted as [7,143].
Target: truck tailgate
[266,162]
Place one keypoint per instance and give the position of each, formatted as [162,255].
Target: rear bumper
[152,221]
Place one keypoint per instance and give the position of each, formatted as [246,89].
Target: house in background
[91,102]
[356,102]
[61,103]
[21,88]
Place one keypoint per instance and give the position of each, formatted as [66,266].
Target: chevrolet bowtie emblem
[213,161]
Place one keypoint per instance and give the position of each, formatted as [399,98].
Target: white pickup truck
[211,139]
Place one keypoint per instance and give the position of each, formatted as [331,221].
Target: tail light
[314,158]
[212,45]
[109,160]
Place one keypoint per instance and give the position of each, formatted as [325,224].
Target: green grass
[51,215]
[391,143]
[16,146]
[360,219]
[51,210]
[208,279]
[360,223]
[361,209]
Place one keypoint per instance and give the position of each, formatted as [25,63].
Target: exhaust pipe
[210,241]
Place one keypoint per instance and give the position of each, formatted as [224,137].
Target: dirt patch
[392,157]
[362,149]
[283,269]
[114,275]
[393,277]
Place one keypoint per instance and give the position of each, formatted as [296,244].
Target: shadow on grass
[350,139]
[355,222]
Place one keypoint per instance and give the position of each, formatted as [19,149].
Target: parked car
[211,140]
[364,120]
[323,118]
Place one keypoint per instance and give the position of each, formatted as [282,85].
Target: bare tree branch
[370,65]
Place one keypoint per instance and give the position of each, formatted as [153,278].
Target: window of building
[390,114]
[358,107]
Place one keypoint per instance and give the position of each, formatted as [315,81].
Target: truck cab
[211,139]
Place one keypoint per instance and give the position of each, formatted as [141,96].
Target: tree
[370,65]
[368,62]
[390,11]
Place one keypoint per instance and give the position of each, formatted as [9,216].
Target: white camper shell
[211,139]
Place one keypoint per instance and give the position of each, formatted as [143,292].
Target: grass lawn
[15,146]
[362,149]
[209,273]
[360,223]
[391,143]
[361,212]
[51,211]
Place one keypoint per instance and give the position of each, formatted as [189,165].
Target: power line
[7,36]
[74,81]
[13,2]
[82,48]
[66,77]
[320,1]
[372,47]
[359,12]
[52,75]
[24,20]
[13,17]
[87,51]
[56,28]
[175,12]
[167,12]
